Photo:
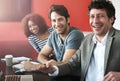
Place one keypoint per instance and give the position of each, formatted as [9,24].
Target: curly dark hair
[106,5]
[37,19]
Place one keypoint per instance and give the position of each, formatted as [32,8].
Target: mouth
[59,27]
[97,26]
[34,31]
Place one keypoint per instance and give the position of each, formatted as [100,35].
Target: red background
[12,31]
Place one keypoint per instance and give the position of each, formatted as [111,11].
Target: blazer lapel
[85,63]
[108,46]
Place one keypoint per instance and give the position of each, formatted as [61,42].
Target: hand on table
[45,68]
[28,66]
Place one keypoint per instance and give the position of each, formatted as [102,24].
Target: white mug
[9,60]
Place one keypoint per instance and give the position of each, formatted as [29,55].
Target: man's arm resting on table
[43,56]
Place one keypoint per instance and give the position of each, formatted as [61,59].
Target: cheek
[90,22]
[30,28]
[52,24]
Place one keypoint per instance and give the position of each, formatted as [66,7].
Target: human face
[59,23]
[33,27]
[100,22]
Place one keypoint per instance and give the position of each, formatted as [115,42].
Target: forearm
[42,58]
[56,62]
[35,67]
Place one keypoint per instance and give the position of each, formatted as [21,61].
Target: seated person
[64,40]
[36,30]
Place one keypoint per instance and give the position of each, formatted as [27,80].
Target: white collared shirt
[96,67]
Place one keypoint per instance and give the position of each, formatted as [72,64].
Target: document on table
[18,59]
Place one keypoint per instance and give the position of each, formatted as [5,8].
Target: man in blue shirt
[64,40]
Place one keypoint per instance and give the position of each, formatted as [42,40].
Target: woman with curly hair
[36,30]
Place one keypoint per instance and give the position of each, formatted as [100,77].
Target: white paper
[18,59]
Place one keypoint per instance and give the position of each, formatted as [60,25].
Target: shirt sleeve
[34,45]
[51,39]
[74,39]
[55,73]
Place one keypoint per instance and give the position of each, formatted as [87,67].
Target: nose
[96,19]
[57,23]
[31,27]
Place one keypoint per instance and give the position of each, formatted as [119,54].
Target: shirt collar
[103,40]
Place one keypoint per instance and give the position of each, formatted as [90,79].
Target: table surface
[36,75]
[39,75]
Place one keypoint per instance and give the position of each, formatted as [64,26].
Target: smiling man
[64,41]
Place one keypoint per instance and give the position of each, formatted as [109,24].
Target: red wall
[77,9]
[12,31]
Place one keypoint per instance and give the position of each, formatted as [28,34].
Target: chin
[59,32]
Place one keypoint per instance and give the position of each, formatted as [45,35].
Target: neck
[63,36]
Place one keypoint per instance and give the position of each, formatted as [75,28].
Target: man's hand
[28,66]
[112,76]
[47,68]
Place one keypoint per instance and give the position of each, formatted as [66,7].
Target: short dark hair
[60,9]
[106,5]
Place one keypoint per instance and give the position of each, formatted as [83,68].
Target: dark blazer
[81,59]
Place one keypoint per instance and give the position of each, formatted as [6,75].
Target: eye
[53,20]
[100,16]
[60,19]
[91,16]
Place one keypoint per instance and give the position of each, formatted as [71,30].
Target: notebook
[18,78]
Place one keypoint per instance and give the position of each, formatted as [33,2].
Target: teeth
[97,26]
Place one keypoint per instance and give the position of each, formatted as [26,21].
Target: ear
[68,20]
[112,19]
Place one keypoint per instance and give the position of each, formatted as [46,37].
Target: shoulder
[88,37]
[32,37]
[114,33]
[76,32]
[117,32]
[53,35]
